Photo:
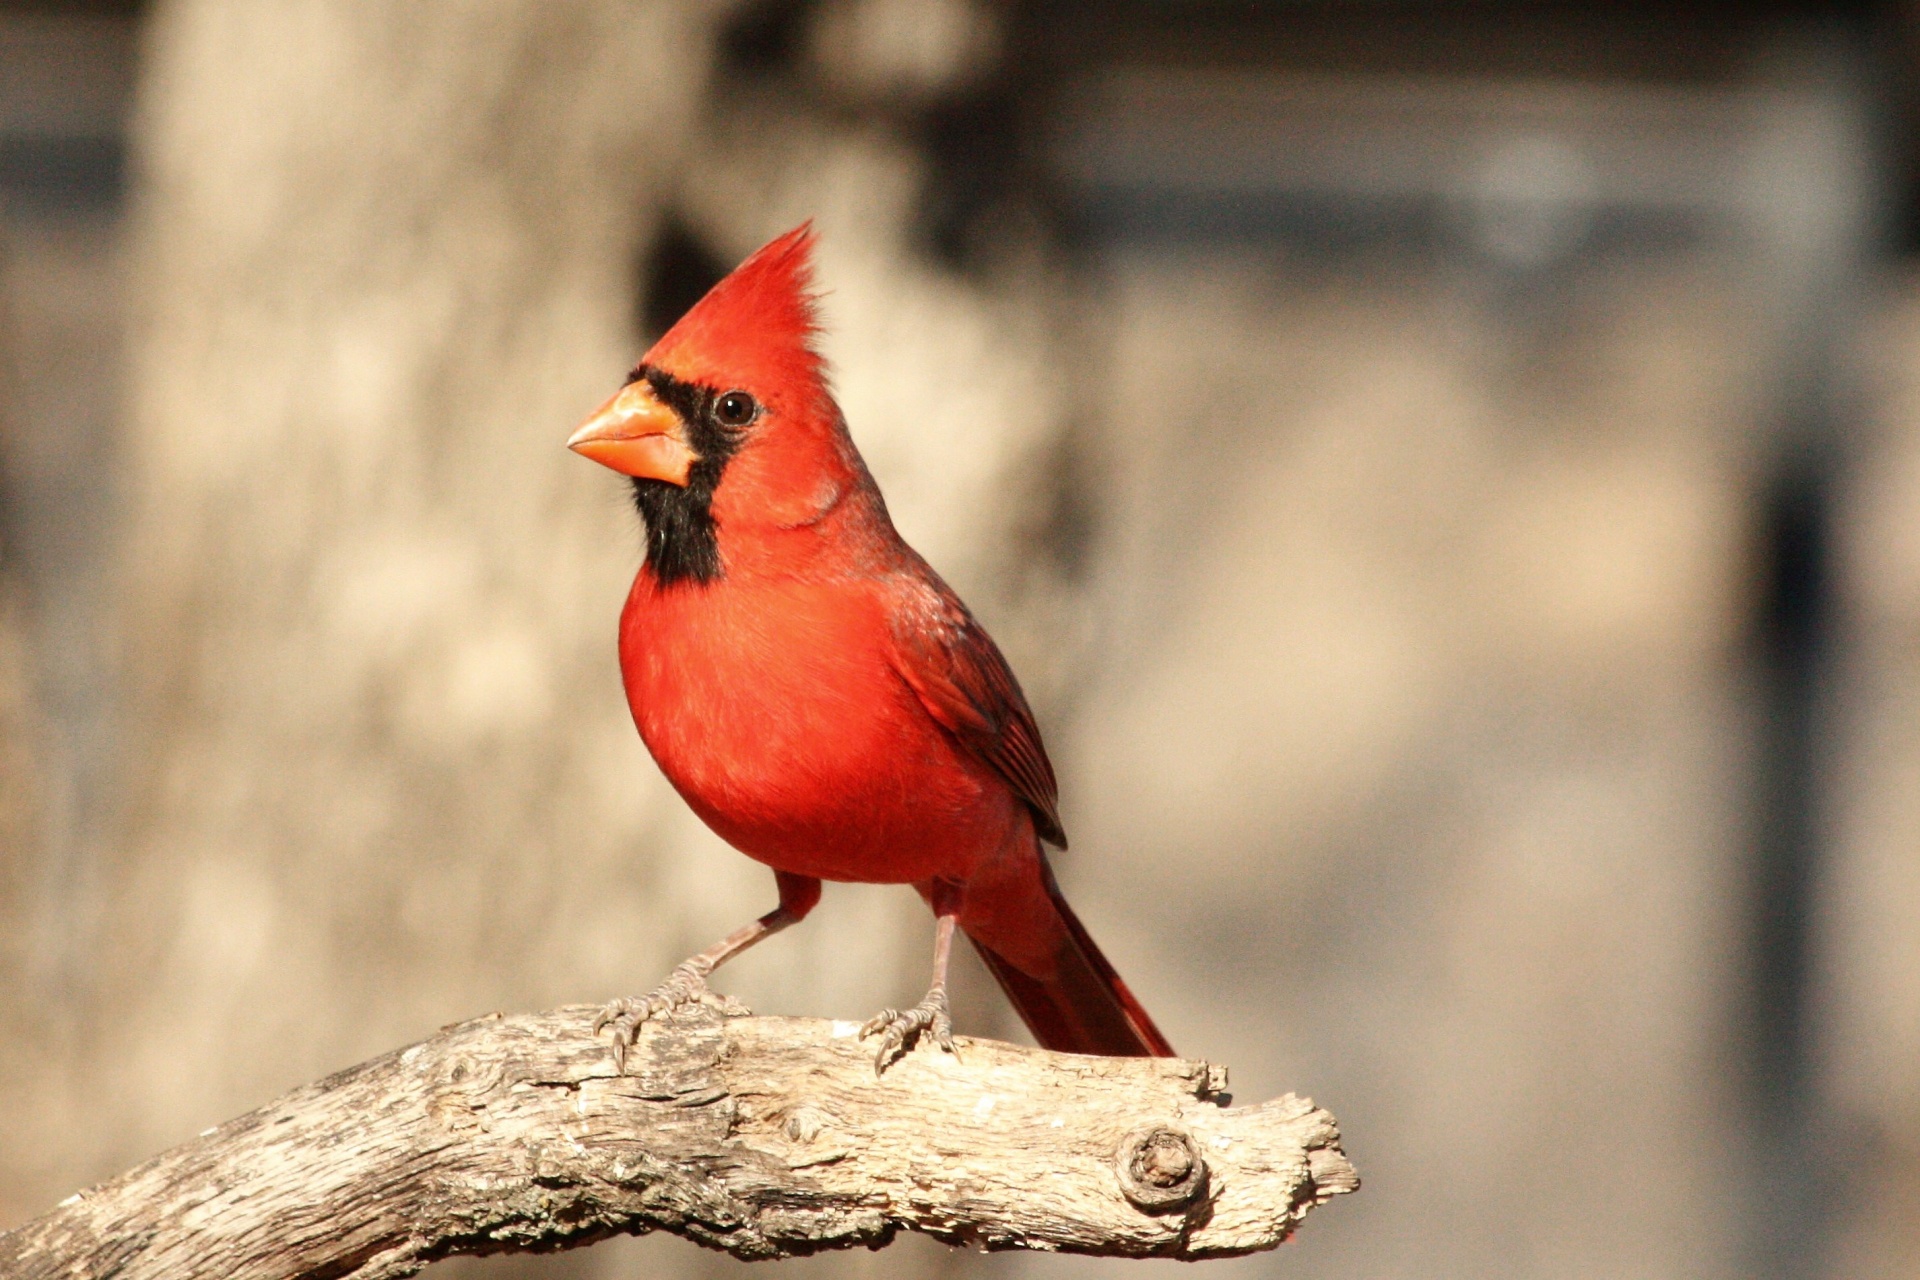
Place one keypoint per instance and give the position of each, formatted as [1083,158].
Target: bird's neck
[695,544]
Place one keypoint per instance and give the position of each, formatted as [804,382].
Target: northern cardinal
[814,690]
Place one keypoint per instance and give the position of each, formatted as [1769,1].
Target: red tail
[1085,1007]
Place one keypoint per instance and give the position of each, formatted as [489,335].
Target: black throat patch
[682,538]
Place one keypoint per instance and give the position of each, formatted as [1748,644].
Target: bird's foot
[686,985]
[900,1028]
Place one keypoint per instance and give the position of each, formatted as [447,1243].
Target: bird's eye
[736,409]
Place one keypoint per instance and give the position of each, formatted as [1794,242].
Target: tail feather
[1085,1007]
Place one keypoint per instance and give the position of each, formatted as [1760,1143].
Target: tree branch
[766,1137]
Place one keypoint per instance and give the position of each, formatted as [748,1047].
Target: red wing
[966,686]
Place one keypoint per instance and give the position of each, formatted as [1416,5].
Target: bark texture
[766,1137]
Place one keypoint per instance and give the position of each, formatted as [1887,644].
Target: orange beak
[636,435]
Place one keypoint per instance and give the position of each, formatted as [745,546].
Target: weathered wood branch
[766,1137]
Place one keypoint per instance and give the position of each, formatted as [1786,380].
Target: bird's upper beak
[636,435]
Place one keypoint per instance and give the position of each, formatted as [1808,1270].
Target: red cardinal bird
[813,689]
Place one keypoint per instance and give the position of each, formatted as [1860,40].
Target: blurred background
[1447,474]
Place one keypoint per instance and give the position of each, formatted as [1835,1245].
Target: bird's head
[727,420]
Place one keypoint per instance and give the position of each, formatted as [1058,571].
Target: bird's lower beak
[636,435]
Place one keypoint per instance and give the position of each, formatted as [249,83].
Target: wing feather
[964,682]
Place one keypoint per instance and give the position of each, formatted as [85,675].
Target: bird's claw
[899,1029]
[686,985]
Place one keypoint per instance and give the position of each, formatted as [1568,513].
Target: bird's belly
[803,748]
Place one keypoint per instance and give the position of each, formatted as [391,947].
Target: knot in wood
[1160,1169]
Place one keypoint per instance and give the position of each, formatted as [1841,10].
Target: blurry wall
[65,82]
[1422,733]
[1397,452]
[1458,696]
[1870,969]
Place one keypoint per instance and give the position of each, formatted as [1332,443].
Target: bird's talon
[684,986]
[903,1028]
